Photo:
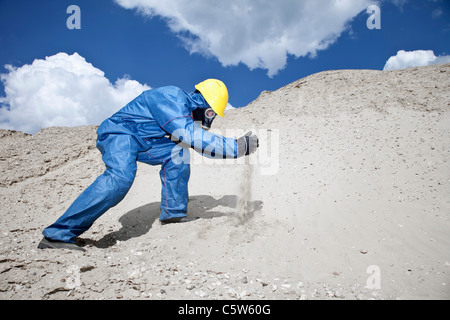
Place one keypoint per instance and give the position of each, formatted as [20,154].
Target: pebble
[201,293]
[211,287]
[263,283]
[190,286]
[135,274]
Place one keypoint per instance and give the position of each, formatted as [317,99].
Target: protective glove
[247,144]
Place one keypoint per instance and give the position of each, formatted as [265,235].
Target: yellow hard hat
[215,93]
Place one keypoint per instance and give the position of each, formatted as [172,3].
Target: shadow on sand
[139,221]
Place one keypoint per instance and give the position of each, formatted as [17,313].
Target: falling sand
[243,209]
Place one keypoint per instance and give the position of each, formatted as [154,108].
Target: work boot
[178,220]
[52,244]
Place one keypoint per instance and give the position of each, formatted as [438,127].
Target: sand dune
[347,198]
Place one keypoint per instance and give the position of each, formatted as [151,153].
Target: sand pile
[347,198]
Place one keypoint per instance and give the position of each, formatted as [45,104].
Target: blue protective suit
[138,132]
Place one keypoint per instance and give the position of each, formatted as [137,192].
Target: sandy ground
[347,198]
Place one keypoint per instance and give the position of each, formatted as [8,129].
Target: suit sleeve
[173,116]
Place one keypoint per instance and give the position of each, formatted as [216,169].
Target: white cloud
[436,13]
[399,3]
[61,90]
[409,59]
[259,34]
[229,107]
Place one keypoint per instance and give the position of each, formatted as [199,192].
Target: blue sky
[156,47]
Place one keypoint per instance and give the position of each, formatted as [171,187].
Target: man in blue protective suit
[154,128]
